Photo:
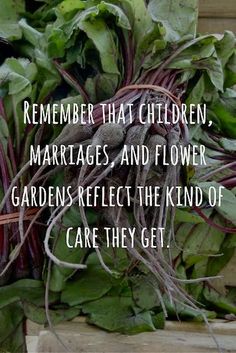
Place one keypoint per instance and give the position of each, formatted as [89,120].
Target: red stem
[229,183]
[35,252]
[10,143]
[213,224]
[70,79]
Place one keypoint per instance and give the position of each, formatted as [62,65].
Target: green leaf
[219,301]
[179,17]
[38,315]
[182,216]
[60,275]
[24,290]
[231,294]
[19,74]
[93,22]
[199,271]
[194,242]
[231,65]
[196,52]
[211,94]
[9,27]
[101,87]
[228,144]
[56,43]
[230,240]
[12,8]
[226,47]
[72,217]
[159,321]
[183,231]
[230,71]
[180,311]
[138,323]
[144,294]
[116,314]
[48,78]
[115,258]
[228,202]
[10,31]
[67,6]
[150,45]
[213,240]
[4,134]
[215,265]
[102,38]
[196,94]
[91,284]
[229,99]
[140,19]
[58,278]
[214,69]
[146,34]
[121,18]
[230,78]
[11,329]
[33,36]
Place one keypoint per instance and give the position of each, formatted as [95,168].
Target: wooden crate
[217,16]
[177,337]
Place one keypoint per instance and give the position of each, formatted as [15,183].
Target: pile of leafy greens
[79,51]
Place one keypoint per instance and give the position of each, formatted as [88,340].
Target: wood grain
[216,25]
[81,338]
[220,9]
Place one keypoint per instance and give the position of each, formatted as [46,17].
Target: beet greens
[118,52]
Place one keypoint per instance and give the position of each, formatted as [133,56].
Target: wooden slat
[216,8]
[228,276]
[32,343]
[82,338]
[216,25]
[219,327]
[229,272]
[36,333]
